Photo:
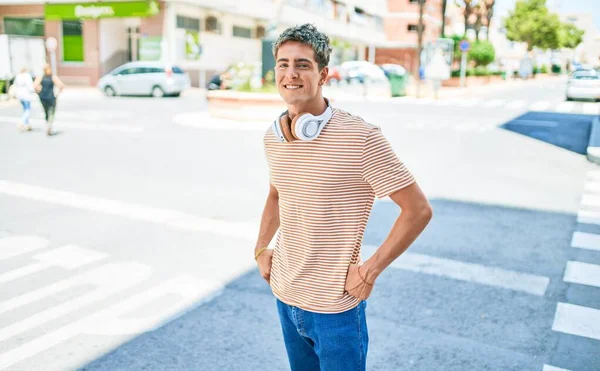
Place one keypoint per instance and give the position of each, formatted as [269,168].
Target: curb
[593,148]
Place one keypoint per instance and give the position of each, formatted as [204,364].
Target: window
[212,25]
[340,12]
[242,32]
[72,35]
[24,26]
[417,1]
[414,28]
[188,23]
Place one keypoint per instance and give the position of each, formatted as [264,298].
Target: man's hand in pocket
[355,285]
[264,264]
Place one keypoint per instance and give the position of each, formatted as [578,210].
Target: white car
[584,84]
[144,78]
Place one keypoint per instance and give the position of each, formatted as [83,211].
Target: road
[126,239]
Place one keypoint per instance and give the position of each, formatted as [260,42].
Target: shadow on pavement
[417,321]
[568,131]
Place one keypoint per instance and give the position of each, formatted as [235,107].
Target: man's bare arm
[414,217]
[270,219]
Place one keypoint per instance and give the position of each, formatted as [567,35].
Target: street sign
[51,44]
[464,46]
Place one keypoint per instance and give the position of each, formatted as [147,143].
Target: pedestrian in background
[45,85]
[23,88]
[326,167]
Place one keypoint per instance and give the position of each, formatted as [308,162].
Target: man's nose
[291,73]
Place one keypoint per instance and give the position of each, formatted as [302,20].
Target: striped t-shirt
[326,191]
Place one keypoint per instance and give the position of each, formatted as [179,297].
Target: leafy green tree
[570,36]
[482,53]
[532,23]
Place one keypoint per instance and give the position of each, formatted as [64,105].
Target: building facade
[203,37]
[401,25]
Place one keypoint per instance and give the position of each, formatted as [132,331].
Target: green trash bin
[398,84]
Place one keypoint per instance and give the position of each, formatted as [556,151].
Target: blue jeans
[325,342]
[26,111]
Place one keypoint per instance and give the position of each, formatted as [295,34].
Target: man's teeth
[292,86]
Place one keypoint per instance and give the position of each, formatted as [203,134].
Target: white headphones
[304,126]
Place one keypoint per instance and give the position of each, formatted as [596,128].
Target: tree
[530,22]
[482,53]
[444,6]
[468,9]
[479,11]
[570,36]
[489,14]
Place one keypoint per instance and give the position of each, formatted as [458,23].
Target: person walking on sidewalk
[23,86]
[326,167]
[45,87]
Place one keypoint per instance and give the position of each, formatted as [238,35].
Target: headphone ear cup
[285,125]
[297,120]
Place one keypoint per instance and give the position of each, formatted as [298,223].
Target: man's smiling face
[297,73]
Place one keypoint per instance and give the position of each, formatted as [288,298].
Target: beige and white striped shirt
[326,191]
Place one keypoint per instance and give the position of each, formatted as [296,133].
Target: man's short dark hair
[309,35]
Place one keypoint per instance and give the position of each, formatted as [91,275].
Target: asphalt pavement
[126,239]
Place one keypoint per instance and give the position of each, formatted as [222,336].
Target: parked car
[584,84]
[359,71]
[334,76]
[145,78]
[394,69]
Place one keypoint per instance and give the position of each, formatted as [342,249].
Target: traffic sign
[464,46]
[51,44]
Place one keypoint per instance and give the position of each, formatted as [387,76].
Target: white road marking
[66,257]
[515,104]
[593,175]
[590,200]
[493,103]
[582,273]
[588,217]
[540,106]
[592,187]
[469,102]
[17,245]
[113,278]
[552,368]
[470,272]
[591,108]
[144,213]
[584,240]
[203,120]
[75,125]
[565,107]
[577,320]
[107,322]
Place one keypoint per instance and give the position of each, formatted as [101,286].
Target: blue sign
[464,46]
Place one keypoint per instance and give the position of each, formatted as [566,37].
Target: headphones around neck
[304,126]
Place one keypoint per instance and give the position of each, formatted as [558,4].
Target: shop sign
[192,45]
[141,8]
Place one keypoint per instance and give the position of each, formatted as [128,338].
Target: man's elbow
[425,212]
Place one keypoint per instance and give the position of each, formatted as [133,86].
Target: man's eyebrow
[297,60]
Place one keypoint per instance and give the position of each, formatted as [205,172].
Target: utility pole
[420,30]
[444,4]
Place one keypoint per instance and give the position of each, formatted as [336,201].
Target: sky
[502,7]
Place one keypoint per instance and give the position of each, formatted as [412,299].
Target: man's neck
[315,107]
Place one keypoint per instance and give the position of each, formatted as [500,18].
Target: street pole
[419,46]
[463,69]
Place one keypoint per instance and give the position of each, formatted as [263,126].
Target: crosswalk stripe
[582,273]
[122,277]
[77,125]
[17,245]
[515,104]
[577,320]
[590,200]
[470,272]
[565,107]
[493,103]
[584,240]
[469,102]
[552,368]
[592,187]
[540,106]
[593,175]
[588,217]
[591,108]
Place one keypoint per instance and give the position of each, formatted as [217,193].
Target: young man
[326,167]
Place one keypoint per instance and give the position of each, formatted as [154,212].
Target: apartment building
[401,25]
[201,36]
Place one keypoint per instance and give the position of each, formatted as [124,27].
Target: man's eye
[303,65]
[283,65]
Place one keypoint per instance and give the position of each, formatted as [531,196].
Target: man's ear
[324,73]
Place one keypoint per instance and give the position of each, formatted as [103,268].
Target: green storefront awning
[113,9]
